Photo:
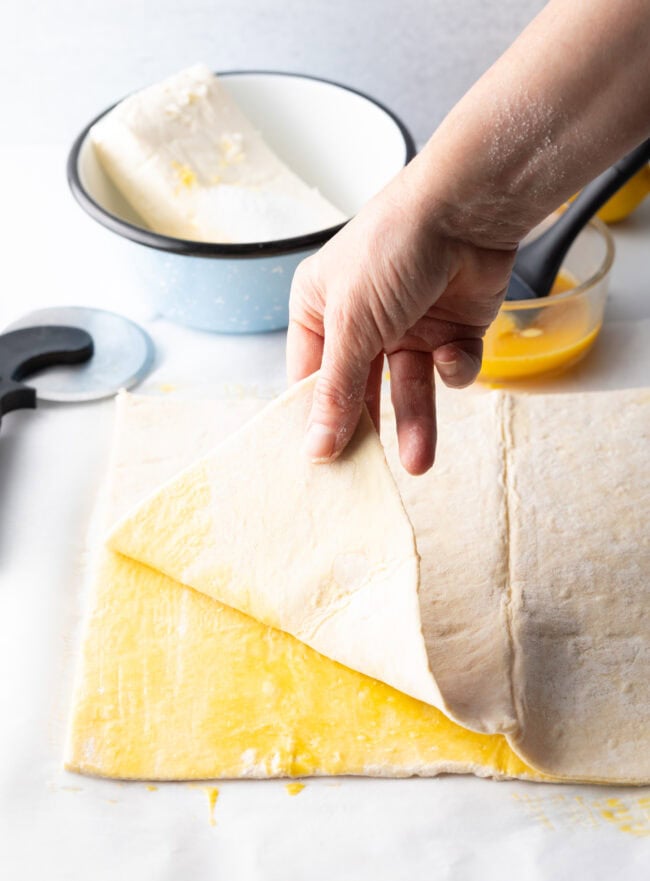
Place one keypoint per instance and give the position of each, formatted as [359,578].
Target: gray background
[63,60]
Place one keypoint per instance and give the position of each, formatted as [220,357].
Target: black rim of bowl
[188,247]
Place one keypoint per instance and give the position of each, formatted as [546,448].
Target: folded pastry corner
[325,553]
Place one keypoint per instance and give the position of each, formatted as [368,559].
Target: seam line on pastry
[505,432]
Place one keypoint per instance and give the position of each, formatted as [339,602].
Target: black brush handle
[539,262]
[22,352]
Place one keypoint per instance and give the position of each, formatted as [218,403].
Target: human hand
[394,281]
[420,272]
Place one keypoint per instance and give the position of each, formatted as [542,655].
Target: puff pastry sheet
[526,653]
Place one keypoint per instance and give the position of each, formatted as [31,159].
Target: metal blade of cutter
[123,355]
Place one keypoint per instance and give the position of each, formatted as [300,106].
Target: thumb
[337,403]
[459,363]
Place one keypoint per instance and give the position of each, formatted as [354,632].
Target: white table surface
[58,825]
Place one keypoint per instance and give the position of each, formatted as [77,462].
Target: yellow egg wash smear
[554,339]
[213,794]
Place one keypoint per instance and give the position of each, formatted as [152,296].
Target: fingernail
[320,442]
[450,368]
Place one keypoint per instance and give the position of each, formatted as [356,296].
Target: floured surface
[579,487]
[174,685]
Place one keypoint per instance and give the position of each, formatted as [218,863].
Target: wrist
[468,197]
[540,124]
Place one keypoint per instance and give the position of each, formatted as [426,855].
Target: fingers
[373,389]
[350,371]
[304,351]
[304,357]
[336,407]
[305,333]
[412,393]
[459,363]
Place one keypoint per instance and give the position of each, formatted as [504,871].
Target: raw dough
[174,685]
[579,502]
[326,554]
[192,165]
[535,599]
[458,510]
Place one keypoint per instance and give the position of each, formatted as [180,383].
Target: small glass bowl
[534,338]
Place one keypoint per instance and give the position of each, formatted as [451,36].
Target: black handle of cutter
[539,262]
[22,352]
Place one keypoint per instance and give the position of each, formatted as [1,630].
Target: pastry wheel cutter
[71,353]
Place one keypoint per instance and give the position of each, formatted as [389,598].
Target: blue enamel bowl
[336,138]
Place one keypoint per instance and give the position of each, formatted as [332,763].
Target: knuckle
[330,395]
[305,300]
[302,274]
[339,401]
[303,283]
[351,331]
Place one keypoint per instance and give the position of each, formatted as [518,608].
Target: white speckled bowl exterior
[227,295]
[337,139]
